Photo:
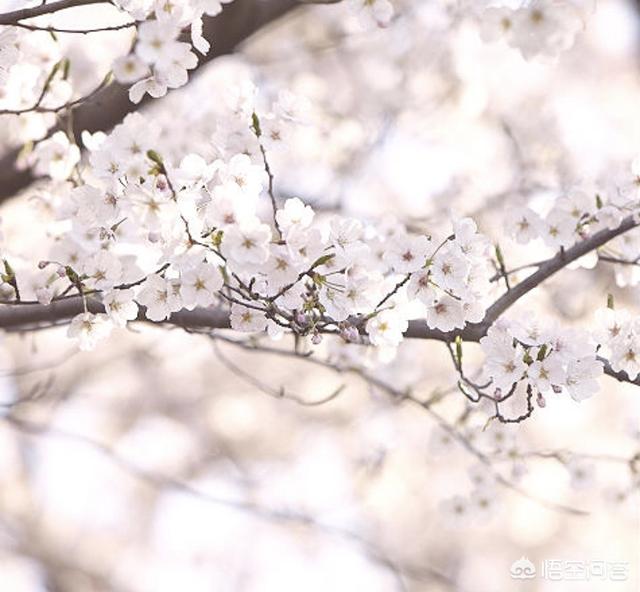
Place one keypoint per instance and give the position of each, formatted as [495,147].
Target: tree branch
[25,316]
[619,376]
[555,264]
[427,406]
[11,18]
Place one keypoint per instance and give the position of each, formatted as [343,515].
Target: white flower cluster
[543,360]
[198,225]
[30,63]
[619,336]
[575,216]
[55,157]
[580,214]
[34,74]
[159,60]
[537,28]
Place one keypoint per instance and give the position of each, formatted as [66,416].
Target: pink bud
[161,183]
[349,333]
[316,338]
[541,401]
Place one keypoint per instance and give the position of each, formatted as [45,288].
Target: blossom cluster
[149,232]
[33,72]
[537,28]
[168,32]
[159,60]
[581,213]
[619,336]
[142,230]
[572,217]
[543,360]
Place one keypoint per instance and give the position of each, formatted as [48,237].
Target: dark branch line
[14,17]
[24,316]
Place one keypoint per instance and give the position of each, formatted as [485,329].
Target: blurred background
[165,461]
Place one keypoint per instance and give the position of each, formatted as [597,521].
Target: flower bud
[349,333]
[541,401]
[161,183]
[316,338]
[301,319]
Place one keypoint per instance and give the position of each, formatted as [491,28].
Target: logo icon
[523,569]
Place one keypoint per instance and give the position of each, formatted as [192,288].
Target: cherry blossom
[247,319]
[294,215]
[246,243]
[199,285]
[202,226]
[120,306]
[537,28]
[55,157]
[373,12]
[386,328]
[160,296]
[89,329]
[406,253]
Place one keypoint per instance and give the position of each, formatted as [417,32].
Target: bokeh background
[165,461]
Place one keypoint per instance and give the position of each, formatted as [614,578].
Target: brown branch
[555,264]
[76,31]
[11,18]
[37,107]
[238,21]
[279,393]
[23,316]
[620,376]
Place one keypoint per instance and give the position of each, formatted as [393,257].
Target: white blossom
[294,214]
[160,296]
[445,313]
[246,243]
[55,157]
[120,306]
[199,285]
[386,328]
[247,319]
[89,329]
[406,253]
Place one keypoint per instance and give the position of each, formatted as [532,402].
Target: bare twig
[372,551]
[427,406]
[75,31]
[11,18]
